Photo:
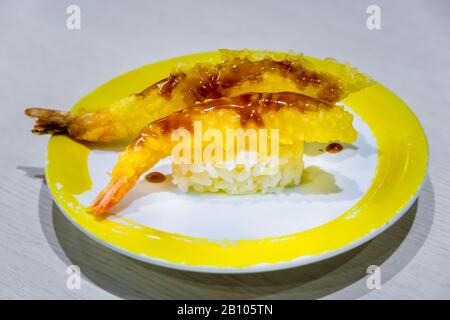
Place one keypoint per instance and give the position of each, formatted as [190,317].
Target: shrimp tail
[49,121]
[113,193]
[141,154]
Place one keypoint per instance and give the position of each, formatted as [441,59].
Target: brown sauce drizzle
[334,147]
[250,108]
[211,81]
[164,86]
[155,177]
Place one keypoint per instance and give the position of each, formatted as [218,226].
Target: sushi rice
[246,173]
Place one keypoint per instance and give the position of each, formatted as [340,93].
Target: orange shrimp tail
[113,193]
[49,121]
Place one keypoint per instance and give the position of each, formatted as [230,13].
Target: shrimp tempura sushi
[279,122]
[236,73]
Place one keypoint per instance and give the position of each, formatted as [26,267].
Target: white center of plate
[333,183]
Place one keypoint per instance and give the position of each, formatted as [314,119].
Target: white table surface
[42,63]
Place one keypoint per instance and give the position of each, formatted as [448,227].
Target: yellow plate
[401,165]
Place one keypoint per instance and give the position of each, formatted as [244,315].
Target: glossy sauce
[211,81]
[334,147]
[155,177]
[250,107]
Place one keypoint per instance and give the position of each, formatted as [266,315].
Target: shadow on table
[132,279]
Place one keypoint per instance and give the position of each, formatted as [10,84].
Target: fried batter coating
[238,72]
[297,117]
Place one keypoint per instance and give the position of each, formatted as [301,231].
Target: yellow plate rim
[405,171]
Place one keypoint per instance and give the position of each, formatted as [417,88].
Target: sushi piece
[248,172]
[280,122]
[237,72]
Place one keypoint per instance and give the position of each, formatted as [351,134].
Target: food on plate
[235,124]
[236,73]
[288,119]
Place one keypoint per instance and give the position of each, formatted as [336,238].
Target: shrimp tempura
[297,117]
[237,73]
